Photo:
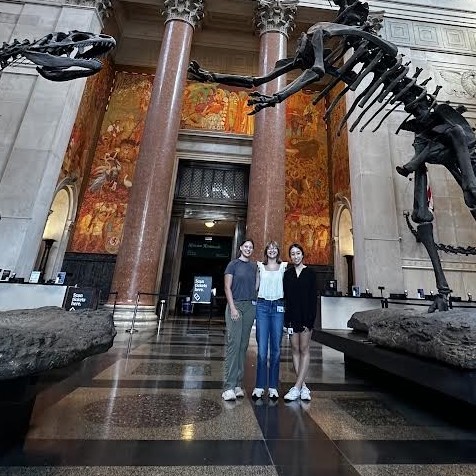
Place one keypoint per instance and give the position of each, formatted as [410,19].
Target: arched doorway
[57,230]
[343,245]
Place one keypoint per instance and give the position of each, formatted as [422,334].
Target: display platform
[30,296]
[445,380]
[333,312]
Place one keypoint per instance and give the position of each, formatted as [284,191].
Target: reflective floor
[152,406]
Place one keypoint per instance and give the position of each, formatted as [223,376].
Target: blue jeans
[269,328]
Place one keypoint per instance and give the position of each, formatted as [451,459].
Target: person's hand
[234,314]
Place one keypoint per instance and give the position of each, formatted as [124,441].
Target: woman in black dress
[300,297]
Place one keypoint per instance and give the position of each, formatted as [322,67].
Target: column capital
[275,15]
[104,7]
[189,11]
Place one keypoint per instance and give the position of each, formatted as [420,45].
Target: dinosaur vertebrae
[12,52]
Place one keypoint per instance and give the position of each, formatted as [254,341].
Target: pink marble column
[146,224]
[265,218]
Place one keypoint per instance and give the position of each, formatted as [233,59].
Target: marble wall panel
[36,21]
[14,92]
[9,14]
[40,118]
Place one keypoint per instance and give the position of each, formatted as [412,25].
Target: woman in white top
[269,320]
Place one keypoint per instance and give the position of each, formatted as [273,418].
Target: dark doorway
[205,256]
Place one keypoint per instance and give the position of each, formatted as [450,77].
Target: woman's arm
[257,278]
[229,297]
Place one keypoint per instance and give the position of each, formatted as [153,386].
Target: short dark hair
[245,240]
[298,246]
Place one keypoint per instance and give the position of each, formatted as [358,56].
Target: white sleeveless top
[271,282]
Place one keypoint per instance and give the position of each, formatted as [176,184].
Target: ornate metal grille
[211,183]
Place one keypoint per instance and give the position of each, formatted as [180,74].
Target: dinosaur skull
[64,56]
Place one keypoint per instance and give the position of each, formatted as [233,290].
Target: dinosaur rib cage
[390,84]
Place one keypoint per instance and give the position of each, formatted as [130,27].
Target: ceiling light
[210,223]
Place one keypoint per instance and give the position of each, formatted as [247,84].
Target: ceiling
[227,26]
[197,227]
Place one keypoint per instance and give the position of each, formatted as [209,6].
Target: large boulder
[35,340]
[448,337]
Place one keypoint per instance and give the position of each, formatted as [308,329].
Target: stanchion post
[162,309]
[132,329]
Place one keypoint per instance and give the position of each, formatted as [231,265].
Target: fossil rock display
[35,340]
[448,337]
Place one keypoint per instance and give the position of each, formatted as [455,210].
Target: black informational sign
[202,290]
[81,298]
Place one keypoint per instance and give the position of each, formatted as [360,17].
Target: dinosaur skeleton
[60,56]
[442,135]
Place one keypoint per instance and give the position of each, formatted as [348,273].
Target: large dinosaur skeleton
[60,56]
[442,135]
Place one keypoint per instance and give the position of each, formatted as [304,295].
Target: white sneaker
[293,394]
[239,393]
[273,393]
[257,393]
[305,394]
[228,395]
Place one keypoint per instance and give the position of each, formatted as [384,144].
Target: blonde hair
[270,244]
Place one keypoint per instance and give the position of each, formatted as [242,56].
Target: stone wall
[36,118]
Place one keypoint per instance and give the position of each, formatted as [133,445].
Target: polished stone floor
[152,406]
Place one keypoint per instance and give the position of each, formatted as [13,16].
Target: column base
[145,317]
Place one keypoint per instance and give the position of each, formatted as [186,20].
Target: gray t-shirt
[243,286]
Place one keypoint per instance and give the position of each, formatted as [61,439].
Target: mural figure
[100,219]
[442,135]
[60,56]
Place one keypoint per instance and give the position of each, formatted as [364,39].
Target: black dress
[300,297]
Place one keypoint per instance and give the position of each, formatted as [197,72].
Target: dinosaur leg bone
[422,215]
[425,236]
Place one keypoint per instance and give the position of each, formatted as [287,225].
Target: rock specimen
[35,340]
[448,337]
[362,320]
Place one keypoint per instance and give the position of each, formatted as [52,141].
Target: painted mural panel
[216,107]
[307,185]
[91,109]
[101,217]
[339,152]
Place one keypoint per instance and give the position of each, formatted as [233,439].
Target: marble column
[265,219]
[140,258]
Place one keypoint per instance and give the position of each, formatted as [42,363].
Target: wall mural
[307,182]
[214,107]
[101,217]
[90,113]
[339,152]
[207,107]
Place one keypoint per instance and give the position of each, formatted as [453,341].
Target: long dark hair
[273,244]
